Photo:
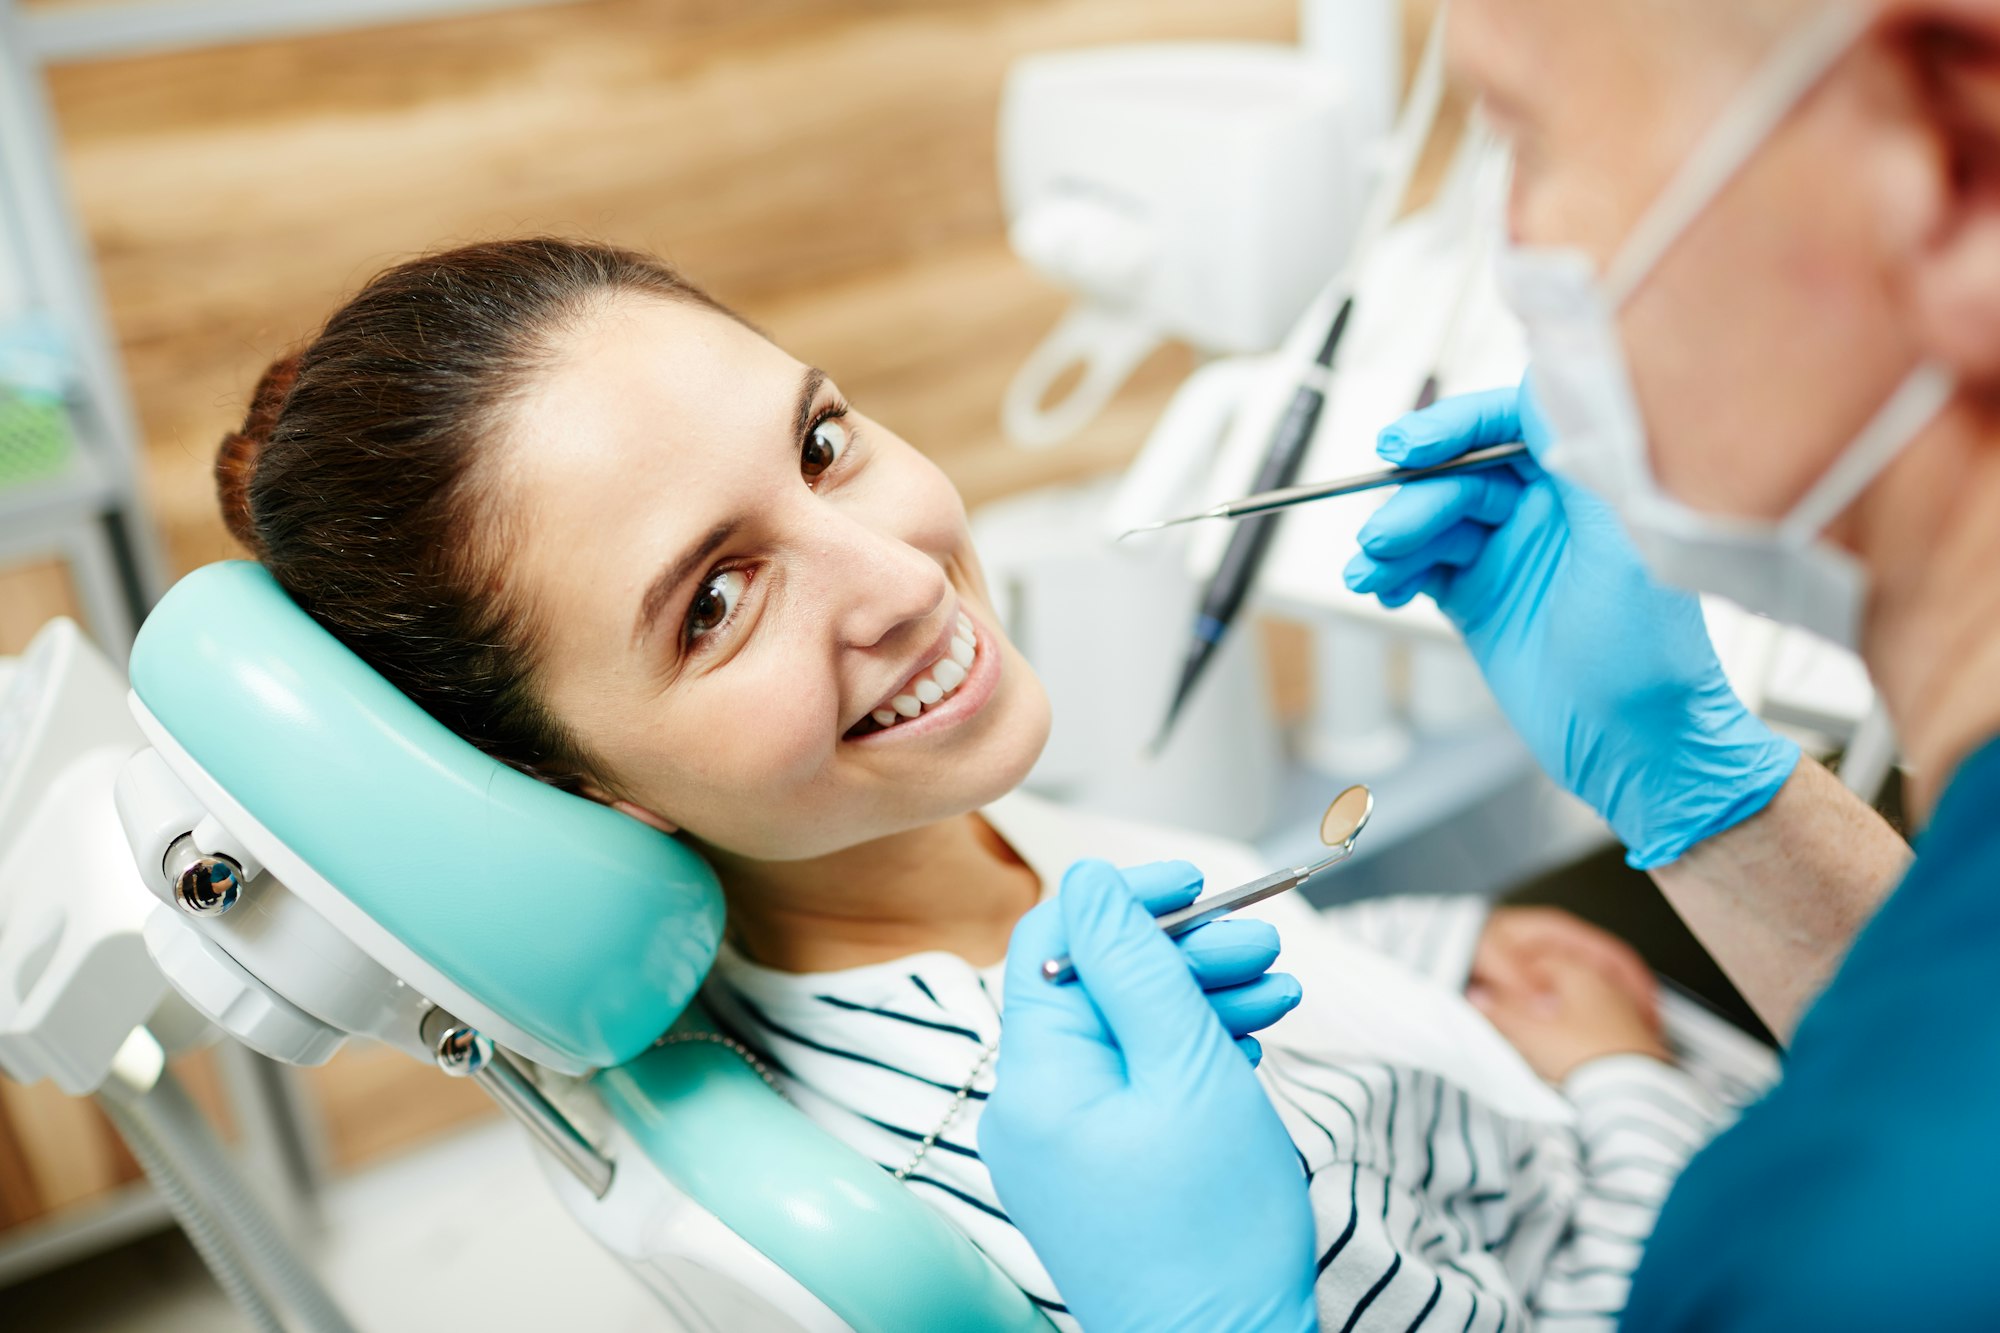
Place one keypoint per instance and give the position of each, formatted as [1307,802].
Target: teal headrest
[581,927]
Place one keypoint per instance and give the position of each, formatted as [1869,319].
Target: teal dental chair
[332,862]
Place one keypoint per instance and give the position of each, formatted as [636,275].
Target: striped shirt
[1434,1210]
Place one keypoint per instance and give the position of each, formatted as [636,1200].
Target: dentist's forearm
[1779,898]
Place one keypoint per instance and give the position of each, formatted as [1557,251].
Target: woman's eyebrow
[661,590]
[809,386]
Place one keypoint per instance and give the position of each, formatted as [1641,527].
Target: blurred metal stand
[90,514]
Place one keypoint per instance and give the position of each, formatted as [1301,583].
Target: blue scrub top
[1864,1191]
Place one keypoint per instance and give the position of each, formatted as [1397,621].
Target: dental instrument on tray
[1338,828]
[1229,587]
[1265,502]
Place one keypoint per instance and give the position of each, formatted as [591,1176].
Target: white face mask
[1581,383]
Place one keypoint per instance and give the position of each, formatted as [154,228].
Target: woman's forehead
[646,385]
[636,353]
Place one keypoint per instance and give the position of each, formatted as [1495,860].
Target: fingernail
[1363,573]
[1392,444]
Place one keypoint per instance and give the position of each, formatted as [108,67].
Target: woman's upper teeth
[935,685]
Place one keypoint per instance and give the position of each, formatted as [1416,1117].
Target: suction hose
[234,1235]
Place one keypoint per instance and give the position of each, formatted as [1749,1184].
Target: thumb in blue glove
[1128,1138]
[1609,676]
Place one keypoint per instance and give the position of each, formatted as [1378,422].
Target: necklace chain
[924,1146]
[958,1100]
[749,1057]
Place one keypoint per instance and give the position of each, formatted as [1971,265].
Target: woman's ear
[646,817]
[630,808]
[1939,176]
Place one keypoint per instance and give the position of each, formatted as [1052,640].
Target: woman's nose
[880,584]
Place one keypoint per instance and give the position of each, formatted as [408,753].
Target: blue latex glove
[1130,1142]
[1609,676]
[1229,958]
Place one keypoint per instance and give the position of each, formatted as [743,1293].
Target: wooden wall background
[827,168]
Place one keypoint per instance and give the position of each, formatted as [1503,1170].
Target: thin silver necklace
[924,1146]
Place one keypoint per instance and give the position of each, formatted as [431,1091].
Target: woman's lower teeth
[937,684]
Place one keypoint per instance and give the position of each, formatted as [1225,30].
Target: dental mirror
[1347,816]
[1338,828]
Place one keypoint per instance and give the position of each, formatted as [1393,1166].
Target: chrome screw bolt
[461,1050]
[204,885]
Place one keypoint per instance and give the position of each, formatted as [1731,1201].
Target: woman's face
[734,575]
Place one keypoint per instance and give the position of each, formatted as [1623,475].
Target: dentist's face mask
[1580,379]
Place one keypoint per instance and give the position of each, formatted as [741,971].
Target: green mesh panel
[34,438]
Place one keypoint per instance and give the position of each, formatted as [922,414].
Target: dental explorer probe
[1479,141]
[1285,497]
[1236,573]
[1338,828]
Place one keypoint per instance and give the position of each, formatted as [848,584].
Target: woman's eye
[714,603]
[823,448]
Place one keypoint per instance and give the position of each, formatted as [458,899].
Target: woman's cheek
[777,727]
[761,721]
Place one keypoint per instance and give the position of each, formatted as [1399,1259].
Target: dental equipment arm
[83,1005]
[1611,679]
[1130,1142]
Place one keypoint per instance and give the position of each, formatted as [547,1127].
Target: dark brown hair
[355,477]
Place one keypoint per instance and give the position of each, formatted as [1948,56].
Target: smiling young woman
[615,537]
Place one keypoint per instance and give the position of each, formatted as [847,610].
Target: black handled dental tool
[1230,585]
[1244,556]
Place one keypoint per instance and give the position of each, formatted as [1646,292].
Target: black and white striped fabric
[1433,1211]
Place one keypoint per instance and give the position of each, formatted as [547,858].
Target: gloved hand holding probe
[1609,676]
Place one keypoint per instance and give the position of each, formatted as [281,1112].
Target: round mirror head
[1347,816]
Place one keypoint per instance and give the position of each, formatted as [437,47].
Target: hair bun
[236,460]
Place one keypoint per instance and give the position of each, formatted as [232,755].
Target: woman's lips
[951,704]
[956,643]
